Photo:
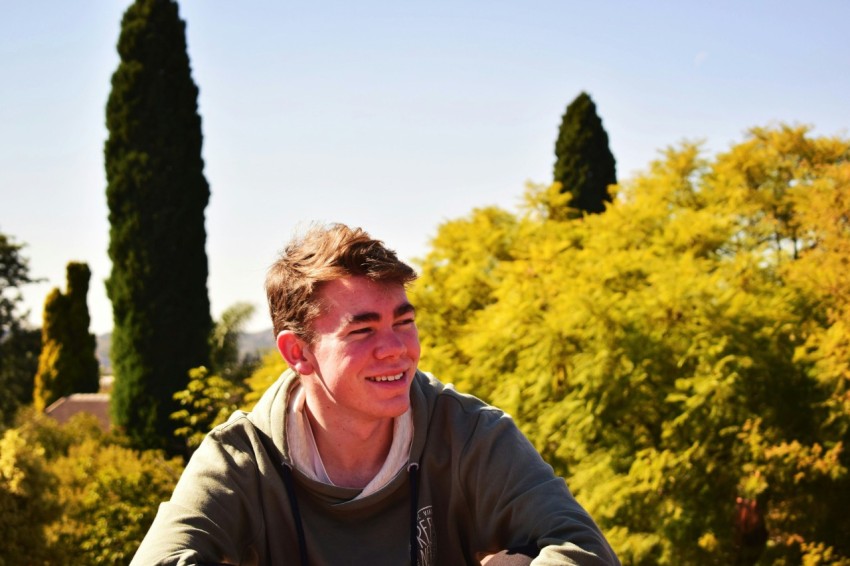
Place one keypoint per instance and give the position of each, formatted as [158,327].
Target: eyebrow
[401,310]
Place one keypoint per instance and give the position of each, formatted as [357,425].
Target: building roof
[96,404]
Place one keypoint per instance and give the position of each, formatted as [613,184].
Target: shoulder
[248,443]
[462,415]
[437,392]
[227,454]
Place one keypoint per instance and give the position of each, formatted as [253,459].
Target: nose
[390,345]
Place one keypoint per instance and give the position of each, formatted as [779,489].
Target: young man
[355,456]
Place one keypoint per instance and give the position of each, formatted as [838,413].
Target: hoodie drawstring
[296,514]
[413,470]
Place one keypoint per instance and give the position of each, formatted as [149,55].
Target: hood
[269,414]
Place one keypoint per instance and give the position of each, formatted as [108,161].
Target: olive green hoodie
[476,483]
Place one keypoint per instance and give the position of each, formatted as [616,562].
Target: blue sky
[391,115]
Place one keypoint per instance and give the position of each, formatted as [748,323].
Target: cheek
[413,346]
[328,356]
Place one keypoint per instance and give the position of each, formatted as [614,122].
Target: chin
[397,409]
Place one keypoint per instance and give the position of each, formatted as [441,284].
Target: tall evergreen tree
[584,164]
[19,345]
[67,363]
[157,194]
[19,353]
[14,272]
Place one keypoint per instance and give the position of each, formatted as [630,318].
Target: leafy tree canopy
[682,358]
[210,399]
[19,345]
[72,494]
[14,272]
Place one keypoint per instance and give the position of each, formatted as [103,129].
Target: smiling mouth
[395,377]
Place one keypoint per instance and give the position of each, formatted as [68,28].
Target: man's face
[365,351]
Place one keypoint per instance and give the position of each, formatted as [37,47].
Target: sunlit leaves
[110,495]
[207,401]
[638,348]
[71,494]
[27,503]
[271,367]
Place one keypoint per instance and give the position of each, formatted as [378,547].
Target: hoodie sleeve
[212,515]
[518,500]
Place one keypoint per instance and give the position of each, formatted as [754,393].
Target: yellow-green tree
[71,494]
[27,504]
[67,363]
[207,401]
[458,278]
[669,357]
[110,495]
[271,366]
[212,396]
[210,399]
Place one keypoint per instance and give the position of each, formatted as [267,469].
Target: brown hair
[323,254]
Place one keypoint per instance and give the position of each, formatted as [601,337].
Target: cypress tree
[67,363]
[157,194]
[584,164]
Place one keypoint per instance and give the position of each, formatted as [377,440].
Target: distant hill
[101,351]
[256,343]
[250,343]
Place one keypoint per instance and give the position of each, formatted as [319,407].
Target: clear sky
[393,115]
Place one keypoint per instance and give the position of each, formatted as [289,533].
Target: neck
[352,452]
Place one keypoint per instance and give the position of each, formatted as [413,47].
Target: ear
[294,350]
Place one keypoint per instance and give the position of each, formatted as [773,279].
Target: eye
[360,331]
[406,322]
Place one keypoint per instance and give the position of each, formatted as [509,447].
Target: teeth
[387,377]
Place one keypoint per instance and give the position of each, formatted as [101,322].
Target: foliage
[584,165]
[44,433]
[270,369]
[67,363]
[27,503]
[679,359]
[225,356]
[19,346]
[458,278]
[206,402]
[157,194]
[209,399]
[73,494]
[110,495]
[14,272]
[19,352]
[822,271]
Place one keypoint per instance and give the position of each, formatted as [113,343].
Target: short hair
[323,254]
